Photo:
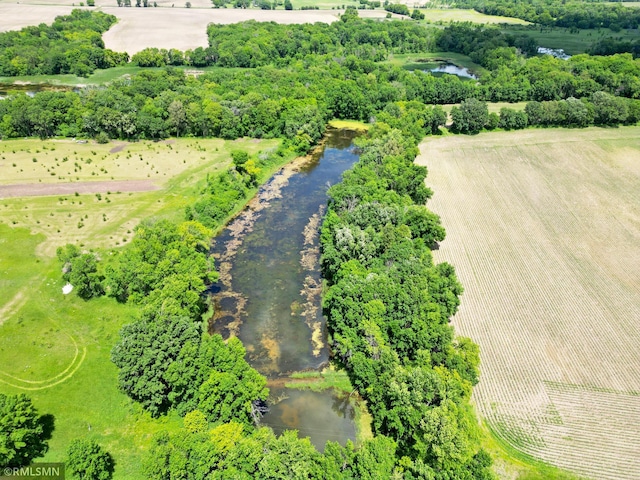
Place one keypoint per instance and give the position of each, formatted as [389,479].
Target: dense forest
[310,73]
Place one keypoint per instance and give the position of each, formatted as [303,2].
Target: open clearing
[447,15]
[101,192]
[543,227]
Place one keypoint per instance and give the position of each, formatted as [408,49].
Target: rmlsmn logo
[35,471]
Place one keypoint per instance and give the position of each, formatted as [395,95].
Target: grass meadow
[54,347]
[174,169]
[543,227]
[447,15]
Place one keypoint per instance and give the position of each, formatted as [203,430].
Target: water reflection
[292,412]
[269,289]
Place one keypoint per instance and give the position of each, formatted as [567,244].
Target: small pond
[32,88]
[452,69]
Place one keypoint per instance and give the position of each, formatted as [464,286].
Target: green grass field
[54,347]
[447,15]
[571,43]
[175,167]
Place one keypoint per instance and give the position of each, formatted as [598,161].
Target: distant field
[543,227]
[571,43]
[105,216]
[462,15]
[163,27]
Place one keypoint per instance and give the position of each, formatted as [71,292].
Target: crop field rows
[543,227]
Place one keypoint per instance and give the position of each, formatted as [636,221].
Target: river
[269,289]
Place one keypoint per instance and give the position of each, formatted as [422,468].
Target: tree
[22,431]
[470,117]
[145,351]
[177,114]
[511,119]
[89,461]
[288,5]
[82,273]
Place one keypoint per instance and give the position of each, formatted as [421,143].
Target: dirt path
[43,189]
[12,305]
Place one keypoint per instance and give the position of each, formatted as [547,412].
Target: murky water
[321,416]
[270,285]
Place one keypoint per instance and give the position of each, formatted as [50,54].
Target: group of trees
[72,44]
[388,308]
[24,435]
[295,102]
[601,108]
[166,360]
[331,71]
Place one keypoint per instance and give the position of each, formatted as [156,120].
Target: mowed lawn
[54,347]
[543,227]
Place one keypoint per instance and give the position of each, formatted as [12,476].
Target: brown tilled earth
[43,189]
[543,228]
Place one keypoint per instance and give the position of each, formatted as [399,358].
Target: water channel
[269,289]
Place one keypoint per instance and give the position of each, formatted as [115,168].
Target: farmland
[543,228]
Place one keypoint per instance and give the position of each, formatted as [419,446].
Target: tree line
[296,102]
[388,308]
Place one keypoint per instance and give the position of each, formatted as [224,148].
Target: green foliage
[72,44]
[567,14]
[81,271]
[23,436]
[397,8]
[87,460]
[166,362]
[388,309]
[165,268]
[470,117]
[511,119]
[144,353]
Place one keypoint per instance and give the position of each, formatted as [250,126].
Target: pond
[269,289]
[452,69]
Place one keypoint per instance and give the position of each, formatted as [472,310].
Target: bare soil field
[183,28]
[37,190]
[543,227]
[14,16]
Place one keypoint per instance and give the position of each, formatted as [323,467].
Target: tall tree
[23,435]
